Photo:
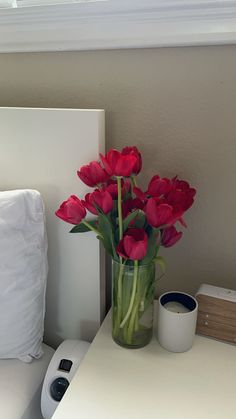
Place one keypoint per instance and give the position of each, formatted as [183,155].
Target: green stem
[132,295]
[119,300]
[142,300]
[91,227]
[120,207]
[121,269]
[112,242]
[133,184]
[133,180]
[136,323]
[133,324]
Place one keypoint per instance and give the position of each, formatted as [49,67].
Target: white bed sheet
[21,386]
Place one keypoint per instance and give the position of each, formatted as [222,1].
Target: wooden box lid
[216,313]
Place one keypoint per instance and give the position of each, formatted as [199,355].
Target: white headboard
[42,149]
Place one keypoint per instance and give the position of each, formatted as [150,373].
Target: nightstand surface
[152,383]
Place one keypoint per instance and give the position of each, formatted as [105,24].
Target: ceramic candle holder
[176,321]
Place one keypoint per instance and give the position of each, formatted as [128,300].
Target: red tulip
[170,236]
[134,151]
[112,188]
[133,245]
[140,194]
[118,164]
[92,174]
[158,186]
[183,186]
[72,211]
[100,199]
[158,214]
[181,195]
[130,205]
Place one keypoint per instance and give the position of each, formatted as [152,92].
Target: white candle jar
[176,321]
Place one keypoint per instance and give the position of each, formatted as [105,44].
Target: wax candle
[176,321]
[176,307]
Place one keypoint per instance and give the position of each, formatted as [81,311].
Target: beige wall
[179,107]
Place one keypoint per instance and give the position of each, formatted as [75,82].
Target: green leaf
[81,228]
[152,247]
[128,219]
[161,262]
[107,239]
[140,220]
[114,211]
[106,245]
[127,195]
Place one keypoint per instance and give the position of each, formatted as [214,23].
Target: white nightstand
[151,383]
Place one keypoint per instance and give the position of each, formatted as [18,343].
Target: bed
[21,385]
[41,149]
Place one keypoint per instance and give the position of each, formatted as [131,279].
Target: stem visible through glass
[132,295]
[119,286]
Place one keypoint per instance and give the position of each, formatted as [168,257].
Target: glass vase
[132,303]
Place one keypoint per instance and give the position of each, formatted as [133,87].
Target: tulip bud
[92,174]
[158,214]
[134,244]
[72,211]
[118,164]
[100,199]
[170,236]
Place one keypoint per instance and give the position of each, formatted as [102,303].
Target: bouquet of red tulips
[132,225]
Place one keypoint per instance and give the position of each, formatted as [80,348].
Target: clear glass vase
[132,304]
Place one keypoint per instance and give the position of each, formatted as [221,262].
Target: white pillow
[23,272]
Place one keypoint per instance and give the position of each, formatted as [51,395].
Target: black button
[58,388]
[65,365]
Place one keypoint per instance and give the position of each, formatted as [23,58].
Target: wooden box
[216,313]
